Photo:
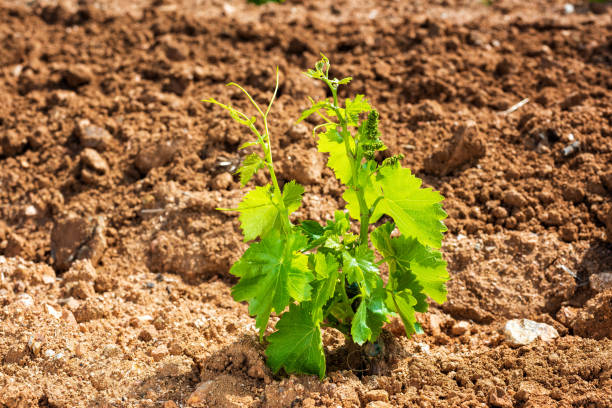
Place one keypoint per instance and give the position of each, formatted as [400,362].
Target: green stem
[267,146]
[364,211]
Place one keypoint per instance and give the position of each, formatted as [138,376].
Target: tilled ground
[114,284]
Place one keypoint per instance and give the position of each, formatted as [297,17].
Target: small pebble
[519,332]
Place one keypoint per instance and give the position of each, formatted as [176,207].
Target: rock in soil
[74,238]
[520,332]
[154,156]
[466,147]
[92,136]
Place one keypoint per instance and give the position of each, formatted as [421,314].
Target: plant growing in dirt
[315,275]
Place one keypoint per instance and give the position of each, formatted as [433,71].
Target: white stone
[55,313]
[519,332]
[25,300]
[30,211]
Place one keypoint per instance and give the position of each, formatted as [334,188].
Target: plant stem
[364,211]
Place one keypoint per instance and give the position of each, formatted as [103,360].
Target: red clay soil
[114,283]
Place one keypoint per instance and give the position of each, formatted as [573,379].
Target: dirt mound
[114,284]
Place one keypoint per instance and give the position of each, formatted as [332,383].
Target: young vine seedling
[315,275]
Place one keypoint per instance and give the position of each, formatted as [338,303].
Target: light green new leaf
[272,273]
[251,164]
[316,106]
[296,345]
[258,213]
[332,142]
[416,211]
[292,196]
[354,107]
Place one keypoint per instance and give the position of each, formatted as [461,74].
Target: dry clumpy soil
[114,284]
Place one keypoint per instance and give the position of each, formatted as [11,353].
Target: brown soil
[114,284]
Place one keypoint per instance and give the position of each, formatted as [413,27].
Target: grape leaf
[360,268]
[415,272]
[326,275]
[258,213]
[296,345]
[360,330]
[272,272]
[331,142]
[251,164]
[292,196]
[412,265]
[354,107]
[259,209]
[404,304]
[416,211]
[370,316]
[316,106]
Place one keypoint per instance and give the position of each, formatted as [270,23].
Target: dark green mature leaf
[329,236]
[272,273]
[296,346]
[415,272]
[251,164]
[370,316]
[360,268]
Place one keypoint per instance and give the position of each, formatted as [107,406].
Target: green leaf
[360,268]
[312,230]
[354,107]
[272,273]
[258,213]
[251,164]
[412,266]
[416,211]
[296,345]
[316,106]
[415,272]
[326,275]
[370,316]
[292,196]
[404,304]
[332,142]
[360,330]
